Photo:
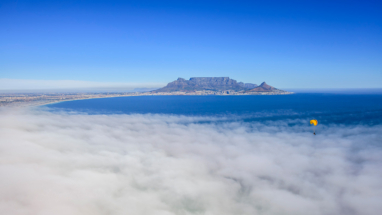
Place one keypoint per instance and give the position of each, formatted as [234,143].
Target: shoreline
[37,103]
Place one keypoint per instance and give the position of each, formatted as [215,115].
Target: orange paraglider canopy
[314,122]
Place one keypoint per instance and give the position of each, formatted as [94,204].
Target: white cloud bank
[24,84]
[155,164]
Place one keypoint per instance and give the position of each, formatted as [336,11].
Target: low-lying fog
[72,164]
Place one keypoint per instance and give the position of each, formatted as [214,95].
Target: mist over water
[91,157]
[327,108]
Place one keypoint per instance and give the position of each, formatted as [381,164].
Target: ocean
[326,108]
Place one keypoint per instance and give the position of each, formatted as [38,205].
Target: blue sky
[288,44]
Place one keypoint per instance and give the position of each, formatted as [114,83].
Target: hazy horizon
[41,86]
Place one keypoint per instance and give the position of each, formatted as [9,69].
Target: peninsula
[194,86]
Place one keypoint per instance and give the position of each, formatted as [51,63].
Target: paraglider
[314,122]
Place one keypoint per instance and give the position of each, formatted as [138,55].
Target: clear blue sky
[288,44]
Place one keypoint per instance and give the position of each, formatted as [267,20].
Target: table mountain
[206,83]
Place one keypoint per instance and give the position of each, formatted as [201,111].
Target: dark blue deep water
[326,108]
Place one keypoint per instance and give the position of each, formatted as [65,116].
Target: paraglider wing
[314,122]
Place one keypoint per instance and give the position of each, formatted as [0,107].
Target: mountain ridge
[206,83]
[264,87]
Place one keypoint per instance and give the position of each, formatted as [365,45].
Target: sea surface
[328,109]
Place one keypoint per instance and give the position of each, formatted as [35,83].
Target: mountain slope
[264,87]
[205,83]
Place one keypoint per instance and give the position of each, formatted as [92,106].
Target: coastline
[37,100]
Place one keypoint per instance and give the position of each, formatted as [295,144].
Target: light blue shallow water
[328,109]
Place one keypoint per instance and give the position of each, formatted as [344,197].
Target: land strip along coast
[194,86]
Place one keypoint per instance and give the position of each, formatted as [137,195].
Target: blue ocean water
[326,108]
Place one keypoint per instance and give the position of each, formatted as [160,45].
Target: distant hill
[264,87]
[206,83]
[144,89]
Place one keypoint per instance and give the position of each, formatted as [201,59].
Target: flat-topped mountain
[206,83]
[216,86]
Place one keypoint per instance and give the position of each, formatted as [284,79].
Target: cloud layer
[53,163]
[24,84]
